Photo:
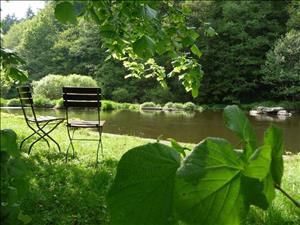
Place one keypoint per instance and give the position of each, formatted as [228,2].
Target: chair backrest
[25,96]
[82,97]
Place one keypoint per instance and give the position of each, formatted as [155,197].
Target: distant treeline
[254,57]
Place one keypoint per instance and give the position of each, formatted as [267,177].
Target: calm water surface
[184,127]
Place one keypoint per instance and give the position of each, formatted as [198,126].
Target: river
[184,127]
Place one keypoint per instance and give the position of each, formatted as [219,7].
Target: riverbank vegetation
[66,192]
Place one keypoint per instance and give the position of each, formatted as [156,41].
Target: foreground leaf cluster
[214,185]
[14,180]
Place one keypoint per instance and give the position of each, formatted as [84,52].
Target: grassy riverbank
[74,193]
[188,106]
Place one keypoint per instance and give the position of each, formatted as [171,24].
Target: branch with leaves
[9,65]
[137,32]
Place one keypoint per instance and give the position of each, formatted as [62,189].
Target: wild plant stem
[296,203]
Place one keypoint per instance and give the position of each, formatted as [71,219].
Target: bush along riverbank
[42,102]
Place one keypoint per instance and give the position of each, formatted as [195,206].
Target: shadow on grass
[67,193]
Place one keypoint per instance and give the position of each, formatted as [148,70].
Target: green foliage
[178,106]
[189,106]
[14,183]
[35,45]
[209,184]
[107,105]
[9,66]
[149,105]
[215,184]
[135,190]
[13,102]
[168,106]
[3,102]
[59,103]
[157,94]
[121,95]
[282,68]
[51,86]
[65,12]
[237,122]
[232,60]
[7,22]
[40,101]
[160,28]
[78,186]
[294,12]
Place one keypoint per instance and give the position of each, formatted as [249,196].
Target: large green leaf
[236,120]
[65,12]
[265,167]
[142,192]
[196,51]
[258,184]
[144,47]
[274,138]
[259,163]
[208,185]
[258,193]
[148,12]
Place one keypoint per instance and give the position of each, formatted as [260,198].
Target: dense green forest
[255,55]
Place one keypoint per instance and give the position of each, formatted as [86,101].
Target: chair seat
[43,119]
[86,123]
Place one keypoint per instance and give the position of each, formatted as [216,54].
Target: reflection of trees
[150,113]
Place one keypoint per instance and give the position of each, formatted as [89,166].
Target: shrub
[281,69]
[51,85]
[158,94]
[189,106]
[121,95]
[134,107]
[3,102]
[168,106]
[107,105]
[59,103]
[13,102]
[41,101]
[178,106]
[148,105]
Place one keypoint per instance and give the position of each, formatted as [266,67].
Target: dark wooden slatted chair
[37,124]
[75,97]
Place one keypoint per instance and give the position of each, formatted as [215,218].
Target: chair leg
[102,148]
[99,143]
[43,136]
[98,151]
[70,144]
[47,134]
[35,132]
[22,142]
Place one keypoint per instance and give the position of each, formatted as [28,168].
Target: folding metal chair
[36,124]
[75,97]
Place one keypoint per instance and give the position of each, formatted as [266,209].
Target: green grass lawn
[74,193]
